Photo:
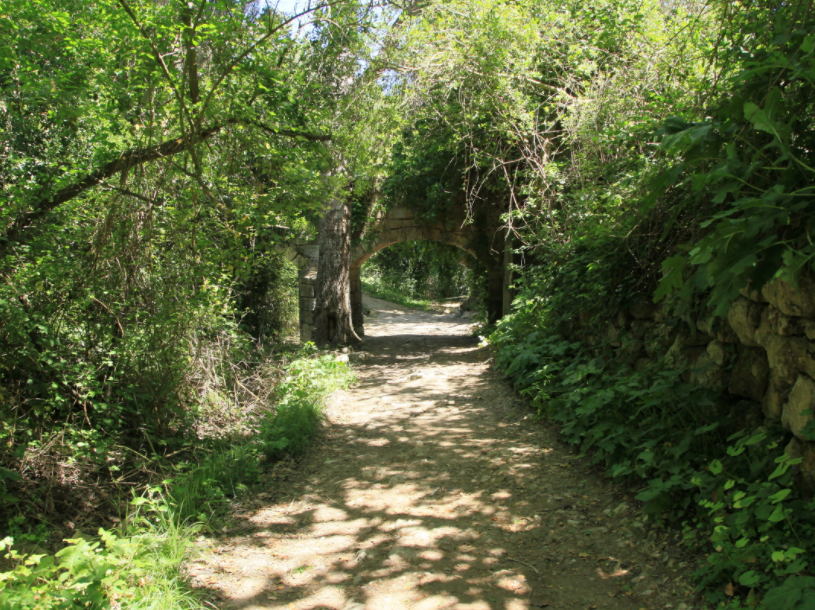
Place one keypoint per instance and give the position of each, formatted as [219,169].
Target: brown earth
[434,487]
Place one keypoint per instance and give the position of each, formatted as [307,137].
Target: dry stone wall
[761,356]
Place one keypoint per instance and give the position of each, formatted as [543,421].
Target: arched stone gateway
[394,226]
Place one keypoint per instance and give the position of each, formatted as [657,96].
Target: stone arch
[398,225]
[386,229]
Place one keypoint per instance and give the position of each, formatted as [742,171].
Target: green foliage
[419,271]
[695,459]
[139,565]
[748,167]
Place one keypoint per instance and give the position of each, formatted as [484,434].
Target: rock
[777,391]
[800,407]
[658,338]
[809,329]
[706,373]
[792,300]
[753,294]
[750,374]
[789,355]
[342,358]
[643,363]
[613,335]
[622,320]
[717,351]
[357,356]
[744,317]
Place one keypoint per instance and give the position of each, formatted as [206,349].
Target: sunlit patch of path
[432,490]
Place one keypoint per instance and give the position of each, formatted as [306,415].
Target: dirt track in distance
[434,488]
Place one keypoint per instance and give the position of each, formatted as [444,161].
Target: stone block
[792,300]
[308,304]
[777,392]
[307,290]
[717,351]
[613,335]
[753,295]
[389,224]
[750,374]
[800,407]
[789,355]
[744,317]
[706,373]
[413,234]
[639,328]
[400,213]
[307,317]
[306,332]
[312,252]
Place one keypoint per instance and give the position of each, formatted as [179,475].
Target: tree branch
[134,157]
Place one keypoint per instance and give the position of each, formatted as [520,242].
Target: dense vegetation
[157,159]
[414,273]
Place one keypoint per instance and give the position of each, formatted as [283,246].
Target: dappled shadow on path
[429,491]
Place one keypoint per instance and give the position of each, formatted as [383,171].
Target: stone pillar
[509,275]
[308,302]
[495,287]
[357,319]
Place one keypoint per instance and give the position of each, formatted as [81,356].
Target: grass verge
[137,564]
[379,291]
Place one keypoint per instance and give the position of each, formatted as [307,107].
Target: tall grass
[139,564]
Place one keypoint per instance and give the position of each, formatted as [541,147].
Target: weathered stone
[640,327]
[744,317]
[750,374]
[788,356]
[775,322]
[725,332]
[400,213]
[717,351]
[798,449]
[775,397]
[392,224]
[311,252]
[753,295]
[792,300]
[706,373]
[622,319]
[643,363]
[809,329]
[306,290]
[706,324]
[613,335]
[306,331]
[697,339]
[413,234]
[800,407]
[308,304]
[643,310]
[307,317]
[658,338]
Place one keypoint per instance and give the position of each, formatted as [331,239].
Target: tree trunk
[332,316]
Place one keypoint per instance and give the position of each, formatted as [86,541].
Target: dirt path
[433,488]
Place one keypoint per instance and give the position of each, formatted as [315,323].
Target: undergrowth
[700,464]
[137,564]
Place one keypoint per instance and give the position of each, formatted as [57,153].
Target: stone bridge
[398,225]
